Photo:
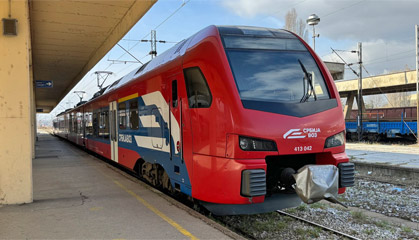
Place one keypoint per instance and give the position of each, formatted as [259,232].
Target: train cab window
[199,94]
[122,115]
[133,114]
[274,70]
[174,93]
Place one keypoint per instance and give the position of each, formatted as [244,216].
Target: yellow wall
[16,134]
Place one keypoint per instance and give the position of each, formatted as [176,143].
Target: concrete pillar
[348,106]
[15,107]
[362,104]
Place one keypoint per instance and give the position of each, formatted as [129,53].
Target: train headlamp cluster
[335,140]
[255,144]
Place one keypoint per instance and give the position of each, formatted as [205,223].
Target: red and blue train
[220,117]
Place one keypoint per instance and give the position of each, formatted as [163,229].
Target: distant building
[336,69]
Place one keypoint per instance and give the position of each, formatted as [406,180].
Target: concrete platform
[78,196]
[395,161]
[391,155]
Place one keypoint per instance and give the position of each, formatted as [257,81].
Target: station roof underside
[70,37]
[389,83]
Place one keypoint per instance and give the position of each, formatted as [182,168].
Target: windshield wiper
[310,89]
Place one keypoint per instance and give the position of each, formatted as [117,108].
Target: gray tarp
[317,182]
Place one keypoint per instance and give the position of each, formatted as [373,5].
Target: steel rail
[318,225]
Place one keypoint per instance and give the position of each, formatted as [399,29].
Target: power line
[283,8]
[161,23]
[349,65]
[340,9]
[171,15]
[88,83]
[394,59]
[136,40]
[129,53]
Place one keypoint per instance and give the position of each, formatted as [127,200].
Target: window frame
[122,127]
[130,111]
[187,87]
[174,94]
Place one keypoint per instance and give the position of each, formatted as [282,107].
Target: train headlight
[335,140]
[255,144]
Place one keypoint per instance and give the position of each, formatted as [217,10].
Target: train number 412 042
[303,148]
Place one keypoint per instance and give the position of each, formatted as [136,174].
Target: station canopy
[70,37]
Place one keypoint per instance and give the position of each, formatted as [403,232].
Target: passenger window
[104,124]
[133,116]
[70,122]
[199,95]
[122,115]
[174,93]
[96,123]
[89,124]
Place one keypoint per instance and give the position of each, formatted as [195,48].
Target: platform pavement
[401,156]
[77,196]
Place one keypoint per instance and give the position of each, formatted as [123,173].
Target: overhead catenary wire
[376,85]
[291,6]
[387,60]
[136,40]
[345,62]
[129,53]
[374,61]
[129,49]
[155,28]
[340,9]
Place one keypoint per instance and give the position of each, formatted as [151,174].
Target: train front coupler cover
[317,182]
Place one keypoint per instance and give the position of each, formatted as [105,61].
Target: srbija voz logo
[297,133]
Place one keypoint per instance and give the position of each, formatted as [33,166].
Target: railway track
[278,211]
[318,225]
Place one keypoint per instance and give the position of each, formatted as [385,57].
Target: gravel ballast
[384,198]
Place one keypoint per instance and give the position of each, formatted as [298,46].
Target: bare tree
[399,99]
[374,101]
[293,24]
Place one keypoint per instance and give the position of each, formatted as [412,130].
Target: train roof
[254,31]
[180,48]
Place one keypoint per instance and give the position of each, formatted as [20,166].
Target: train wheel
[166,183]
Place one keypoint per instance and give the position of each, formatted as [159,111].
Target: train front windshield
[274,70]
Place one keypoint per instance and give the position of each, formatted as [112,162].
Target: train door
[175,121]
[180,139]
[113,124]
[198,105]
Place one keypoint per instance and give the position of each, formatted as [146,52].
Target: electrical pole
[417,81]
[360,130]
[153,41]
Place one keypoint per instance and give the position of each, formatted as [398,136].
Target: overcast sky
[385,28]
